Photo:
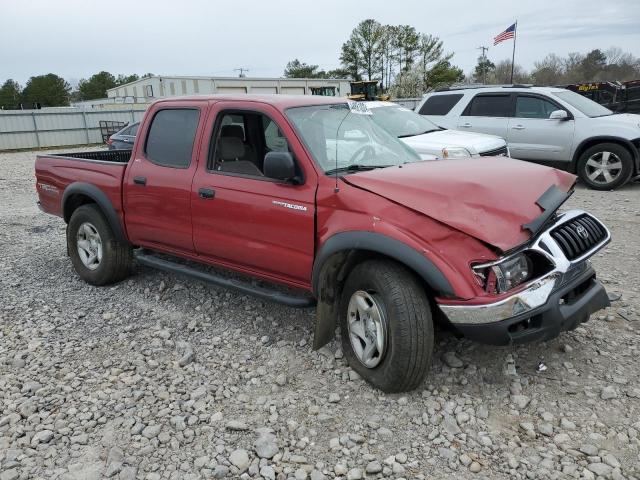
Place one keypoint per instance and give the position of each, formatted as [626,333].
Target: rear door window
[489,106]
[171,136]
[440,104]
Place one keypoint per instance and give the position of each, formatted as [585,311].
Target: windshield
[585,105]
[401,121]
[339,138]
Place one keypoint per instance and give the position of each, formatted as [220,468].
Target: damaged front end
[543,288]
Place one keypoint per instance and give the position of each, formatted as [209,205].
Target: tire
[407,323]
[607,155]
[111,261]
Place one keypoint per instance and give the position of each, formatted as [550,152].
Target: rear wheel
[95,253]
[605,166]
[386,325]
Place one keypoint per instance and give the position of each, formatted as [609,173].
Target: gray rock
[268,472]
[608,392]
[240,458]
[600,469]
[220,471]
[520,401]
[11,474]
[354,474]
[373,467]
[266,445]
[588,449]
[151,431]
[545,429]
[334,398]
[452,360]
[237,425]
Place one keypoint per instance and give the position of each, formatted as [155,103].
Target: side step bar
[145,258]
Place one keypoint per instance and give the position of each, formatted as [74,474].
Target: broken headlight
[504,275]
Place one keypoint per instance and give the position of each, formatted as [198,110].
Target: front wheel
[96,254]
[605,166]
[386,325]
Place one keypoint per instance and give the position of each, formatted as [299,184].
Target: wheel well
[331,279]
[72,203]
[596,141]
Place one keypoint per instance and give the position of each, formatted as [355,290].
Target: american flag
[506,35]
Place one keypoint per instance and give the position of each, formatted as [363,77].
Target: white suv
[546,125]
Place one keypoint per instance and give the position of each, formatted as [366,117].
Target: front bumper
[565,308]
[558,301]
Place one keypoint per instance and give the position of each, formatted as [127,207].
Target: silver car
[547,125]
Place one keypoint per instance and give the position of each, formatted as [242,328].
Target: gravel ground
[162,378]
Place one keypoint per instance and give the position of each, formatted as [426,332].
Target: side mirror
[280,166]
[559,115]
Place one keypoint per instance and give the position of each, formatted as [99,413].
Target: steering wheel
[362,152]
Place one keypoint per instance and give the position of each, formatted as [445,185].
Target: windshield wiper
[355,167]
[416,134]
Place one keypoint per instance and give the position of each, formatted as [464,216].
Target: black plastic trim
[276,296]
[545,322]
[549,201]
[375,242]
[99,197]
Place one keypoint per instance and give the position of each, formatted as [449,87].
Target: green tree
[502,74]
[549,71]
[442,74]
[10,94]
[48,90]
[350,59]
[361,51]
[407,45]
[483,69]
[593,63]
[297,69]
[122,79]
[96,86]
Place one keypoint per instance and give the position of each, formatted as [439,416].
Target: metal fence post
[133,119]
[86,127]
[35,128]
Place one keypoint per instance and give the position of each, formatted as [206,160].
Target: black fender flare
[635,154]
[103,202]
[390,247]
[333,254]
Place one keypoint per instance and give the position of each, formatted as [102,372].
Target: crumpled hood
[489,198]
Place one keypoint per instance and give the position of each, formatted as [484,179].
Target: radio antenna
[336,189]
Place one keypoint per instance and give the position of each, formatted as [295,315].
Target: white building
[148,89]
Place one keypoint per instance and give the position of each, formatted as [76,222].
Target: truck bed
[103,169]
[114,156]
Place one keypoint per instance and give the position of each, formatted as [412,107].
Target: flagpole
[513,56]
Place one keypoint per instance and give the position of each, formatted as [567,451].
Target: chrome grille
[498,152]
[579,235]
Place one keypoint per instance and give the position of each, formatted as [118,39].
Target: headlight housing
[505,274]
[455,152]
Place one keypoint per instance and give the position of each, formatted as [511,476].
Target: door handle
[140,180]
[206,193]
[466,125]
[518,127]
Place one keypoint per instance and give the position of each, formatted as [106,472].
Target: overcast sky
[76,38]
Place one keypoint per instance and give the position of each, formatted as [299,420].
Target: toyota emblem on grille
[580,230]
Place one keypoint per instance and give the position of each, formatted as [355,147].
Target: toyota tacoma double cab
[323,207]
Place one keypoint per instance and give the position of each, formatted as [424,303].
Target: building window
[149,91]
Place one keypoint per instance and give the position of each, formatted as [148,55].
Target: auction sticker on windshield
[360,108]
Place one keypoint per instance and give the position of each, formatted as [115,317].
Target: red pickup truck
[324,207]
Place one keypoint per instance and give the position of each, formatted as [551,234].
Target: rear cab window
[171,136]
[490,105]
[440,104]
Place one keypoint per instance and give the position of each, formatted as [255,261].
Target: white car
[430,141]
[547,125]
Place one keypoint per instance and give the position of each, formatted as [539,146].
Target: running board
[274,295]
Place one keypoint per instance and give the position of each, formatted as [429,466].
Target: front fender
[387,246]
